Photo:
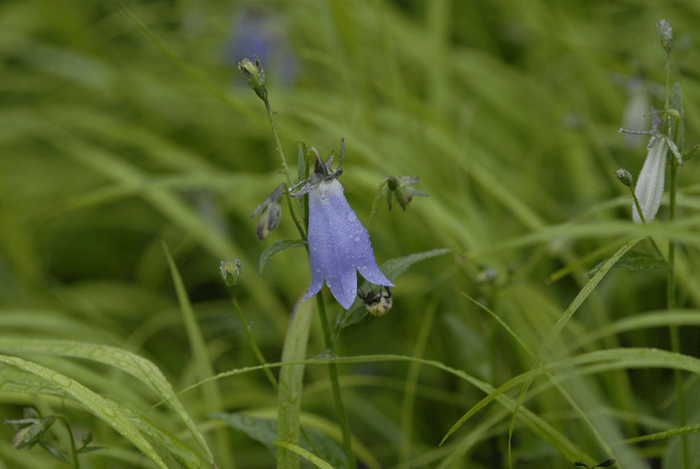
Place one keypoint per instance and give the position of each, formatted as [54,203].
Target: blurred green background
[111,144]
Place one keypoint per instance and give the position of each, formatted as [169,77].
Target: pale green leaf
[277,247]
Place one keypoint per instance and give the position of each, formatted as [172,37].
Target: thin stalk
[644,222]
[333,372]
[671,302]
[286,168]
[71,438]
[254,346]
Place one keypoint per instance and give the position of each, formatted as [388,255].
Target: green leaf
[171,449]
[690,153]
[264,431]
[306,454]
[290,383]
[53,451]
[279,246]
[392,269]
[129,362]
[103,409]
[259,429]
[633,260]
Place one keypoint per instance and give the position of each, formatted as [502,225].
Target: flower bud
[254,74]
[401,188]
[271,213]
[663,27]
[625,177]
[650,183]
[230,272]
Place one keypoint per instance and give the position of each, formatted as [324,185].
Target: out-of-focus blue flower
[339,245]
[259,30]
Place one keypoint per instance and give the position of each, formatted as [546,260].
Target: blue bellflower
[339,245]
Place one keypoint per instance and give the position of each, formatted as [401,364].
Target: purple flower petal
[339,245]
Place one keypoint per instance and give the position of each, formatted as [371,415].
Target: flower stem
[671,300]
[254,346]
[333,372]
[74,450]
[644,222]
[286,168]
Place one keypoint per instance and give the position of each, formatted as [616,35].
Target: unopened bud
[231,272]
[625,177]
[663,27]
[271,213]
[254,74]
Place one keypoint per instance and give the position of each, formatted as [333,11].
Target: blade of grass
[554,334]
[290,384]
[304,453]
[135,365]
[103,409]
[210,391]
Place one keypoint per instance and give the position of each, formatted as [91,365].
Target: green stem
[256,350]
[644,222]
[671,302]
[286,168]
[74,450]
[333,372]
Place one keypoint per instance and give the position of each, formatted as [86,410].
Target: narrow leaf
[264,430]
[103,409]
[290,383]
[633,260]
[306,454]
[131,363]
[279,246]
[392,269]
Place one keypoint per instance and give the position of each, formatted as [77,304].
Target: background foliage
[508,112]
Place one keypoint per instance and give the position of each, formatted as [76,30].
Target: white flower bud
[650,183]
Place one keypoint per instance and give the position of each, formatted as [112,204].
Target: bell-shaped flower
[650,184]
[339,245]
